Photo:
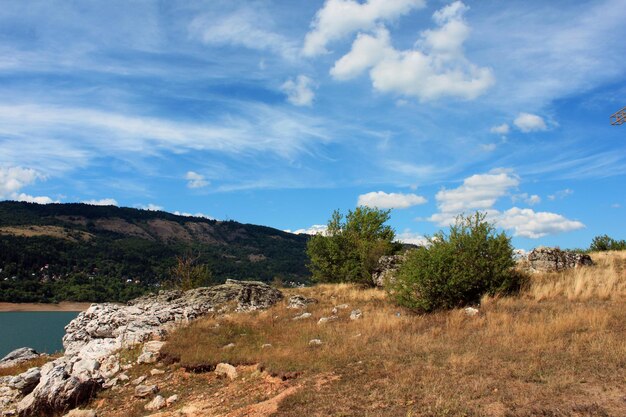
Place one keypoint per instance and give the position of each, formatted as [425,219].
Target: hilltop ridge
[82,252]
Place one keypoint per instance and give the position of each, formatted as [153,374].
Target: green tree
[605,243]
[457,268]
[351,247]
[188,273]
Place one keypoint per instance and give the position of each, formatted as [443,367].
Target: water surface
[41,330]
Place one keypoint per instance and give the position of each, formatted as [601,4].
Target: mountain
[82,252]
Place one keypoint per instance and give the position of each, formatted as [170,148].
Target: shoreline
[62,306]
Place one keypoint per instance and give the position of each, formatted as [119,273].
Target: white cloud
[561,194]
[488,147]
[195,180]
[102,202]
[13,179]
[478,192]
[32,199]
[436,68]
[243,28]
[313,230]
[528,199]
[413,238]
[299,92]
[383,200]
[149,207]
[340,18]
[201,215]
[531,224]
[502,129]
[616,205]
[527,122]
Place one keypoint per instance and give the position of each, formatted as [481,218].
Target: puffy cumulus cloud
[502,129]
[478,192]
[243,28]
[299,91]
[195,180]
[435,68]
[33,199]
[316,229]
[412,238]
[102,202]
[201,215]
[149,207]
[527,122]
[383,200]
[13,179]
[340,18]
[532,224]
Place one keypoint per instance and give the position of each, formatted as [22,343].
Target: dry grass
[52,231]
[25,366]
[605,280]
[556,350]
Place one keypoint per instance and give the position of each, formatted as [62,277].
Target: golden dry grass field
[557,349]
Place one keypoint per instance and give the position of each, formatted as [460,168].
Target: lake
[40,330]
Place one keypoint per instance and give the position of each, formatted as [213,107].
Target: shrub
[350,249]
[457,268]
[188,274]
[605,243]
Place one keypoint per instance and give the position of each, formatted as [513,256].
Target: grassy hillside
[557,349]
[80,252]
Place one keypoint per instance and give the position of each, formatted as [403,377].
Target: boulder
[92,339]
[325,320]
[223,370]
[300,301]
[143,391]
[471,311]
[18,356]
[356,314]
[171,399]
[544,259]
[386,269]
[26,381]
[157,403]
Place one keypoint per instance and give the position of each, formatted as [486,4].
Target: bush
[458,268]
[350,250]
[188,273]
[605,243]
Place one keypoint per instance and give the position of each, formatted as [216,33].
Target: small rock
[123,377]
[266,346]
[302,316]
[26,381]
[325,320]
[157,403]
[142,391]
[139,380]
[300,301]
[471,311]
[315,342]
[81,413]
[225,370]
[228,346]
[171,399]
[155,371]
[356,314]
[334,311]
[342,306]
[150,352]
[110,383]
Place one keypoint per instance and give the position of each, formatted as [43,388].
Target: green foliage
[118,266]
[188,273]
[605,243]
[351,248]
[457,268]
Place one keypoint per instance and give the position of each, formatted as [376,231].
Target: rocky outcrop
[544,259]
[18,356]
[92,339]
[386,269]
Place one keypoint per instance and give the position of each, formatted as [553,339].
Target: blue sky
[279,112]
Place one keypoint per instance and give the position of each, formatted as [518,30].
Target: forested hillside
[82,252]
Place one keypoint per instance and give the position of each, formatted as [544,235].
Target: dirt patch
[123,227]
[51,231]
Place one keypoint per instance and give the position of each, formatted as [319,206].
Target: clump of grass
[25,366]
